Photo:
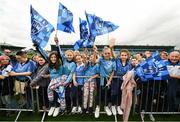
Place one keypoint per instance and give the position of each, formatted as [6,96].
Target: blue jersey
[120,69]
[91,70]
[106,67]
[25,67]
[56,73]
[80,72]
[69,67]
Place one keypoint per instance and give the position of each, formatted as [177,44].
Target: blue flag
[41,29]
[83,29]
[85,40]
[154,68]
[98,26]
[65,19]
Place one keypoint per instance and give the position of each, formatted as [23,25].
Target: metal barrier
[149,97]
[41,94]
[153,97]
[14,101]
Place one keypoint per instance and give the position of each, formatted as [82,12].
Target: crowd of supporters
[81,82]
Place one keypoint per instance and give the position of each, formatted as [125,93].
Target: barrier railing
[151,97]
[41,94]
[16,96]
[155,97]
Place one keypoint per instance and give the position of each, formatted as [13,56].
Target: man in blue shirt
[22,72]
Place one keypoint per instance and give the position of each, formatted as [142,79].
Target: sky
[141,22]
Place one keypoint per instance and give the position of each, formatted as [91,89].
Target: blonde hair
[69,51]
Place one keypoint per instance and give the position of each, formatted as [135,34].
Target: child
[122,66]
[39,80]
[56,86]
[107,67]
[77,87]
[69,68]
[92,71]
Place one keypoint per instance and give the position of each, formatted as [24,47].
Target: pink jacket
[127,88]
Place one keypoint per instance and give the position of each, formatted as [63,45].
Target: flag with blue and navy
[65,19]
[41,29]
[97,26]
[85,40]
[153,68]
[83,29]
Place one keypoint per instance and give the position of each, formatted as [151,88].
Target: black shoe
[68,111]
[84,111]
[90,111]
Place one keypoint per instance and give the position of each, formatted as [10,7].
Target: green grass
[29,116]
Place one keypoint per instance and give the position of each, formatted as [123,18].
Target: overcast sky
[142,22]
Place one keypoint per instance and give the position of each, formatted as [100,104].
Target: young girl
[56,92]
[56,86]
[122,66]
[69,69]
[107,67]
[39,80]
[92,71]
[77,87]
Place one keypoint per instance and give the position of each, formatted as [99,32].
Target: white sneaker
[74,110]
[56,111]
[79,110]
[108,111]
[51,110]
[113,110]
[96,113]
[120,112]
[151,117]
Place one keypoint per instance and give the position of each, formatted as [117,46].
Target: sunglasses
[107,53]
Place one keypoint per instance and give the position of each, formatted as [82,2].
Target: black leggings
[103,93]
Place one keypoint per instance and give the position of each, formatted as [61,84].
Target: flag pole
[56,33]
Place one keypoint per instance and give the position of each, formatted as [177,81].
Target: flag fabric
[65,19]
[85,40]
[41,29]
[98,26]
[154,68]
[83,29]
[78,44]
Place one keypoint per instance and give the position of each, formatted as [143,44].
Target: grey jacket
[37,78]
